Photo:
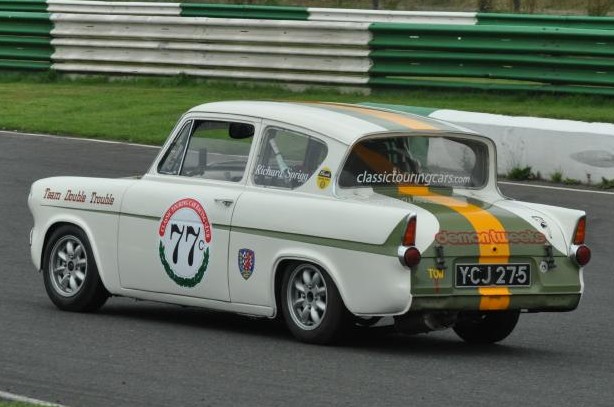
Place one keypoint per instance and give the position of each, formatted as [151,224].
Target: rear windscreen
[439,161]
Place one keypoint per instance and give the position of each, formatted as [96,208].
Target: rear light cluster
[580,234]
[580,252]
[409,255]
[583,255]
[409,238]
[412,257]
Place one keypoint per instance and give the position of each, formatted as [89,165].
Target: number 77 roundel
[185,240]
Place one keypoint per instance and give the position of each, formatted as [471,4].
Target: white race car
[331,215]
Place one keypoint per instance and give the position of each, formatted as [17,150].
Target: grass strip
[144,110]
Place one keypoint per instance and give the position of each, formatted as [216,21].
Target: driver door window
[216,150]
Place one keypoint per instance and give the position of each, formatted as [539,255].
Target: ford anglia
[327,215]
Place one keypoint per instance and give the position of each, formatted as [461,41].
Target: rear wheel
[70,272]
[312,307]
[486,327]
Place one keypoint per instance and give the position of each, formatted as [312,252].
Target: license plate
[493,275]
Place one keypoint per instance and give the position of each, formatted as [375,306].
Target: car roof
[343,122]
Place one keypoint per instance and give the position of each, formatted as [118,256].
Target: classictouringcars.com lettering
[79,197]
[423,178]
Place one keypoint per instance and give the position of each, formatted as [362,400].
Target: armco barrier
[297,51]
[23,5]
[384,16]
[25,41]
[490,39]
[113,8]
[210,40]
[238,11]
[413,54]
[26,24]
[541,20]
[536,142]
[305,13]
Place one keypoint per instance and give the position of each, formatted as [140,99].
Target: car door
[289,178]
[175,222]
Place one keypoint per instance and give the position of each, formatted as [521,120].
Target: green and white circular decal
[185,240]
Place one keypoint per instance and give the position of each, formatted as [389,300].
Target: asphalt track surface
[148,354]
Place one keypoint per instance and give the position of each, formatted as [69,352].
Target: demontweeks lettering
[490,237]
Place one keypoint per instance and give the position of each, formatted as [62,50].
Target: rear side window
[288,158]
[210,149]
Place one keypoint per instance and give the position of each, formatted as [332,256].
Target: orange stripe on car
[493,298]
[400,119]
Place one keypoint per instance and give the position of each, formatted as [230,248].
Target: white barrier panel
[211,73]
[112,7]
[302,51]
[579,150]
[221,47]
[343,65]
[205,29]
[385,16]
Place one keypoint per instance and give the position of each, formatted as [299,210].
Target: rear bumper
[526,302]
[558,288]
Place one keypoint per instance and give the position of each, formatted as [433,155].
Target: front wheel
[486,327]
[70,272]
[311,305]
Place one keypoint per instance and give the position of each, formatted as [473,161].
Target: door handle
[224,201]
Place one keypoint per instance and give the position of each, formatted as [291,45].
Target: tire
[486,327]
[311,305]
[70,273]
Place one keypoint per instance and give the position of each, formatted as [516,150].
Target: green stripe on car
[420,111]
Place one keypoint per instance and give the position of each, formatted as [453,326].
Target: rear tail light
[411,257]
[409,238]
[580,233]
[582,255]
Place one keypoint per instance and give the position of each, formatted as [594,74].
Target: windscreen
[435,161]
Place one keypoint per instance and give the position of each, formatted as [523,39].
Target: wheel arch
[284,261]
[57,223]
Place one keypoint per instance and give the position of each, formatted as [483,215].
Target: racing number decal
[185,240]
[190,233]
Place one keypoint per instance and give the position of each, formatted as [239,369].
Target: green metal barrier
[549,69]
[25,23]
[23,5]
[463,85]
[239,11]
[503,52]
[25,40]
[570,60]
[532,40]
[542,20]
[25,65]
[21,53]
